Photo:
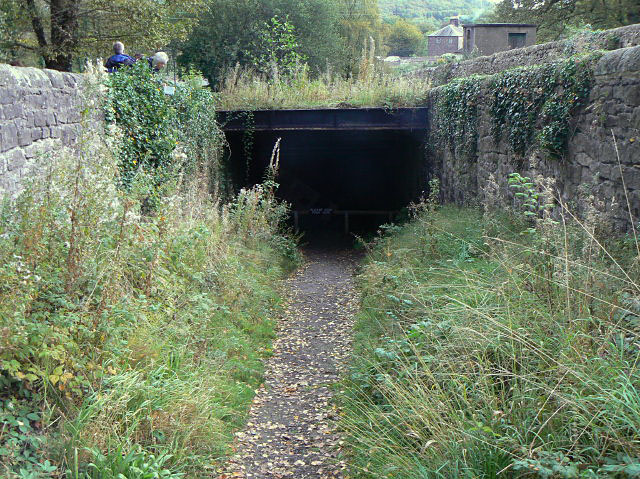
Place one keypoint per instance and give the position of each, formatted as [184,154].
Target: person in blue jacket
[114,62]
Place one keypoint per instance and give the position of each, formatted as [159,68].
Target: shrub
[127,338]
[164,135]
[136,103]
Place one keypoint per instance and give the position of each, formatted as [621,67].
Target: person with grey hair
[158,61]
[114,62]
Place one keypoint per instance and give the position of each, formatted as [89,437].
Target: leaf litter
[291,432]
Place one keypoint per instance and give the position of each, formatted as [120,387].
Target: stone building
[446,40]
[489,38]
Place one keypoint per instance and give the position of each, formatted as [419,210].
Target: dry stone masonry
[39,110]
[588,167]
[617,38]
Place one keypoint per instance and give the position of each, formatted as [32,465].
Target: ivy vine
[456,117]
[533,106]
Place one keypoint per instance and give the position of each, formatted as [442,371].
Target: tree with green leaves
[359,22]
[435,12]
[558,18]
[62,32]
[277,49]
[404,38]
[227,33]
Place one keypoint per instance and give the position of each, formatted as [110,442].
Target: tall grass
[245,89]
[130,340]
[495,346]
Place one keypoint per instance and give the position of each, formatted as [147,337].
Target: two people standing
[119,59]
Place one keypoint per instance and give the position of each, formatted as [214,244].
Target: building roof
[448,31]
[499,25]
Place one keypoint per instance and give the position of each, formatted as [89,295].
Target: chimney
[454,21]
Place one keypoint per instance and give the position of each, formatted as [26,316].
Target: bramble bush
[130,342]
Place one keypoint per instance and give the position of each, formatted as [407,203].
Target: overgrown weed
[245,89]
[503,345]
[131,337]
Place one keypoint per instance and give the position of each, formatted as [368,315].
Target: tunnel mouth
[339,183]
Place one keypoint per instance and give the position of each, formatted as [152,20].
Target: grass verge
[496,346]
[131,336]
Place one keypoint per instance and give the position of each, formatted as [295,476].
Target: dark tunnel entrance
[336,180]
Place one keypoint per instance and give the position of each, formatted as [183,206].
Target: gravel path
[290,431]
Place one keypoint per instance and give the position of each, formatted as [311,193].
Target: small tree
[404,39]
[277,49]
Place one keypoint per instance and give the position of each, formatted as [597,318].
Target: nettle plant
[533,106]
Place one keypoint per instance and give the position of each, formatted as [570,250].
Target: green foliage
[360,25]
[130,332]
[62,35]
[561,19]
[533,106]
[403,39]
[21,439]
[136,103]
[435,12]
[160,135]
[137,464]
[245,90]
[226,33]
[276,51]
[456,116]
[481,352]
[526,192]
[199,137]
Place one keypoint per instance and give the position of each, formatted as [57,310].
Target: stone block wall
[616,38]
[613,109]
[39,110]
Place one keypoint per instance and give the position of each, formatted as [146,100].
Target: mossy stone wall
[588,162]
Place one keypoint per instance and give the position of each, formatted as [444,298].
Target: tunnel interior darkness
[372,174]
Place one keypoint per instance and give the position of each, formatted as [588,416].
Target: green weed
[244,89]
[503,345]
[131,339]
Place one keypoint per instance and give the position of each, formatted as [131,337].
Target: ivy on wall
[529,106]
[162,134]
[533,106]
[456,116]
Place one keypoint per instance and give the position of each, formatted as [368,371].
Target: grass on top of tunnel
[495,346]
[244,89]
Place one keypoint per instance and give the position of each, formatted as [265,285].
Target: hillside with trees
[430,14]
[557,19]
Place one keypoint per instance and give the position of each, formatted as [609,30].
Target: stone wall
[536,54]
[39,110]
[613,108]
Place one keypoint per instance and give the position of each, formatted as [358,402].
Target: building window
[517,40]
[438,40]
[450,41]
